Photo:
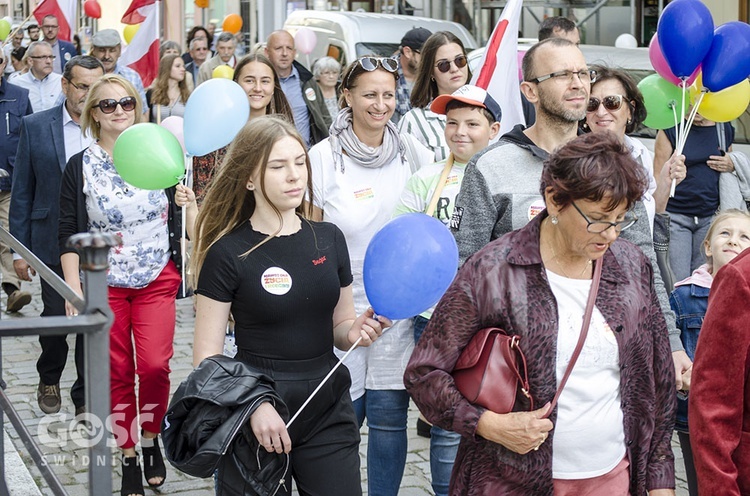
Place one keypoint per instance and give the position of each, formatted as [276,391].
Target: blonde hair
[732,213]
[228,203]
[89,126]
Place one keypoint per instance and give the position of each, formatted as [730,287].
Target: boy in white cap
[472,120]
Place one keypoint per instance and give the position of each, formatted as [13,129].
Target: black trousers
[54,355]
[325,437]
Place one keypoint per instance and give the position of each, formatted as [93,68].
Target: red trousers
[141,343]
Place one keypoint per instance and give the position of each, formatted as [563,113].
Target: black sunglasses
[611,102]
[109,105]
[371,63]
[445,65]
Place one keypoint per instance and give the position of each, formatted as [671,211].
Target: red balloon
[92,9]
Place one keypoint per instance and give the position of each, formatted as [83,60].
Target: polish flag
[142,54]
[499,67]
[64,10]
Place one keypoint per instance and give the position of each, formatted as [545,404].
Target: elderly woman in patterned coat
[611,429]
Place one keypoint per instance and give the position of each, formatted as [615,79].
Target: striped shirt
[429,129]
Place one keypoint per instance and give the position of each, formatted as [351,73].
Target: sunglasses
[611,103]
[445,65]
[109,105]
[371,63]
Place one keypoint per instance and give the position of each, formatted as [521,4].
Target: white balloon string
[325,379]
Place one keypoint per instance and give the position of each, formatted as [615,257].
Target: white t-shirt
[360,201]
[643,155]
[589,438]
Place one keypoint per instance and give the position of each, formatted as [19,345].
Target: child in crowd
[728,235]
[472,120]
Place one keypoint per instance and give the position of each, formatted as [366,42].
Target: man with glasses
[63,50]
[43,84]
[409,55]
[311,117]
[106,46]
[48,139]
[500,190]
[198,53]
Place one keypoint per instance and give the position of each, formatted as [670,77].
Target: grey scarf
[343,139]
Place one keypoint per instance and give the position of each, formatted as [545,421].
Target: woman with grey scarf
[359,172]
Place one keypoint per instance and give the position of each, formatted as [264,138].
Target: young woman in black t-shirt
[287,281]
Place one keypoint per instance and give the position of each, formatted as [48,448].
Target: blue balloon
[728,60]
[214,114]
[685,31]
[409,264]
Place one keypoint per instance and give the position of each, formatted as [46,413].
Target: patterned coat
[504,284]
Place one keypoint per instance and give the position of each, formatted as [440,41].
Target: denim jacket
[689,301]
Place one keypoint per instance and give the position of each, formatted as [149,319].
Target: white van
[346,36]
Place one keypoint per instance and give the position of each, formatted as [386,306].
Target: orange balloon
[203,4]
[232,23]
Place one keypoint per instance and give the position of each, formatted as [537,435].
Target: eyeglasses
[42,57]
[50,27]
[109,105]
[371,63]
[584,76]
[445,65]
[599,226]
[81,87]
[611,102]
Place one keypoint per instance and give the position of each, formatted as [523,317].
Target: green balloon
[148,156]
[4,29]
[663,100]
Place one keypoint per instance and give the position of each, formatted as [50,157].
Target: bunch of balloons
[694,61]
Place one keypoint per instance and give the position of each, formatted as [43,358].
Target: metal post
[93,249]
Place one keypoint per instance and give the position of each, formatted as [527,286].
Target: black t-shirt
[698,194]
[283,293]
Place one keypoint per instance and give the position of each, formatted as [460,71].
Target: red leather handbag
[491,369]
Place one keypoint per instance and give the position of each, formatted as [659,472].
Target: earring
[250,187]
[553,219]
[630,121]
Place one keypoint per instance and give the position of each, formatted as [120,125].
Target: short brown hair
[88,125]
[594,167]
[633,96]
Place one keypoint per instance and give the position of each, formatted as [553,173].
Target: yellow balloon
[695,89]
[726,105]
[223,71]
[129,32]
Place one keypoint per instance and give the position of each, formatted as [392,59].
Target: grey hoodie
[500,193]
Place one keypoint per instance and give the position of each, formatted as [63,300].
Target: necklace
[560,265]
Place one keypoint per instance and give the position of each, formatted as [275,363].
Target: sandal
[131,477]
[153,464]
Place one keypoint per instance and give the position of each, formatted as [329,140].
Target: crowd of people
[279,220]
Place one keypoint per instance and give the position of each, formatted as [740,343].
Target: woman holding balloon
[288,284]
[169,92]
[143,277]
[359,172]
[258,79]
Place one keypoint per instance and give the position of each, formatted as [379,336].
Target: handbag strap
[584,331]
[440,185]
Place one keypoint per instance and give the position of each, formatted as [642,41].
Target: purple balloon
[728,61]
[685,31]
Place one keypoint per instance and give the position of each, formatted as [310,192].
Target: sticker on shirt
[364,194]
[451,180]
[67,56]
[310,94]
[535,209]
[276,281]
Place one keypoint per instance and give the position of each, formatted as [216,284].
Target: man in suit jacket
[48,139]
[63,50]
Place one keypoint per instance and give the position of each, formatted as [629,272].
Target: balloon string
[689,124]
[328,376]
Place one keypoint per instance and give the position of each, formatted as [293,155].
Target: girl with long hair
[169,92]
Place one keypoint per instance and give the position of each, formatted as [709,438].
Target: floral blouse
[137,215]
[204,168]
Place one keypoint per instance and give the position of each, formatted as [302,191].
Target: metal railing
[93,321]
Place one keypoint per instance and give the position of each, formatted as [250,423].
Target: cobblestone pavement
[69,459]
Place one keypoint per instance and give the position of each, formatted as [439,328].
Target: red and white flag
[142,54]
[64,10]
[498,72]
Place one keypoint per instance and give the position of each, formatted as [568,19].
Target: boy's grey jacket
[500,193]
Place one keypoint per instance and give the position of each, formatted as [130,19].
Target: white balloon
[9,19]
[626,40]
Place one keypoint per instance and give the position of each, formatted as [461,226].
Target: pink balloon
[174,125]
[662,67]
[305,41]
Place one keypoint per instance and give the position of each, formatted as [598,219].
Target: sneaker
[49,398]
[17,300]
